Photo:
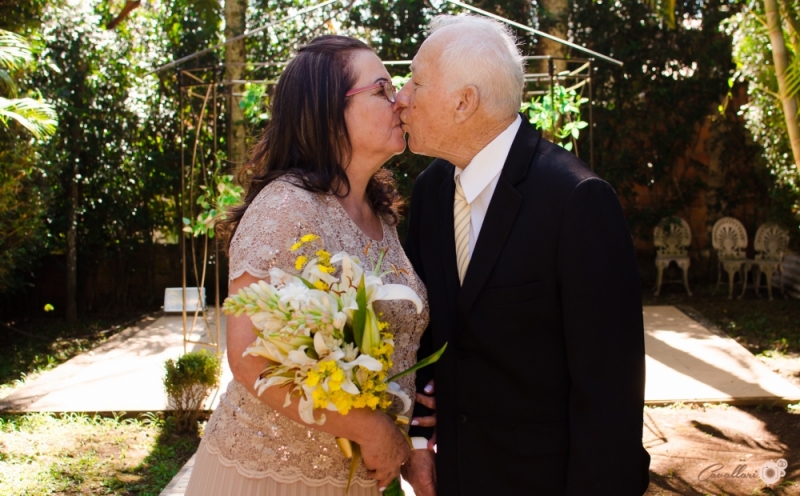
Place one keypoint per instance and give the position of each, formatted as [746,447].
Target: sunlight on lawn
[42,454]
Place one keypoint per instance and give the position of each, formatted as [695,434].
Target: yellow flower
[325,268]
[296,246]
[312,379]
[372,402]
[309,237]
[320,398]
[360,401]
[321,285]
[300,262]
[338,375]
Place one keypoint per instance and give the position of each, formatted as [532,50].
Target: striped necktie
[461,223]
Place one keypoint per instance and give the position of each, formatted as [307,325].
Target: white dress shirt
[479,178]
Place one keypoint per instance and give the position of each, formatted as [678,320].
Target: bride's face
[373,125]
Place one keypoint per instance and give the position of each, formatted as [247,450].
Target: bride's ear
[469,100]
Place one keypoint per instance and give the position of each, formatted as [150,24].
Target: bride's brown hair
[307,134]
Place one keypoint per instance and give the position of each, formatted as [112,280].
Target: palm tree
[787,67]
[36,116]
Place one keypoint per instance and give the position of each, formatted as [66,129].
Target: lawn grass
[44,454]
[32,346]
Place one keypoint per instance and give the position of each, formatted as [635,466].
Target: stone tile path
[686,362]
[690,363]
[124,374]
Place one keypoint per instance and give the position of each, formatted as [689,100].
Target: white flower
[339,320]
[394,389]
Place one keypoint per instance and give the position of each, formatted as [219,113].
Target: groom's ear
[469,100]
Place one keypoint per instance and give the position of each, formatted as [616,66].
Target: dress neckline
[353,223]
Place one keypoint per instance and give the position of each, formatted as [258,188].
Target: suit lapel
[448,239]
[500,216]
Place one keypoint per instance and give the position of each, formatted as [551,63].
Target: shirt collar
[488,163]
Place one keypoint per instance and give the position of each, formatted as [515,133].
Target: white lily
[312,273]
[365,361]
[306,408]
[394,389]
[266,349]
[299,358]
[375,290]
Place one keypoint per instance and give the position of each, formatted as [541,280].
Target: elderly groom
[532,281]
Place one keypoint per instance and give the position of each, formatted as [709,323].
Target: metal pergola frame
[218,91]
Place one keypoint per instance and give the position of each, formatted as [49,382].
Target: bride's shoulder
[287,194]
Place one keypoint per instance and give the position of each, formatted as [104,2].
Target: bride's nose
[401,99]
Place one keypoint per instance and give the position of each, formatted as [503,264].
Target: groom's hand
[429,421]
[420,472]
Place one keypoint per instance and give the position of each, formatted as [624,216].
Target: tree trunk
[781,58]
[235,57]
[554,18]
[72,248]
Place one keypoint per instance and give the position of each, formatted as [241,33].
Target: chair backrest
[672,237]
[729,238]
[771,242]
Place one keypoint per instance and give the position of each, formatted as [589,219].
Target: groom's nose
[401,99]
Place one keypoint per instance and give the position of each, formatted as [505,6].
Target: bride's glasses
[387,87]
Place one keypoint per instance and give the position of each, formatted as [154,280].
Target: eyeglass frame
[382,84]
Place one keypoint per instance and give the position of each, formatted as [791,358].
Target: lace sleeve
[277,217]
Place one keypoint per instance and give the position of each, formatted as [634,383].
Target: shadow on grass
[172,449]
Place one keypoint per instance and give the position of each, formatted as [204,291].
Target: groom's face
[423,101]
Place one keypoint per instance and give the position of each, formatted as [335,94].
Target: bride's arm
[383,446]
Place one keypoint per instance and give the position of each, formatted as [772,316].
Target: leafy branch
[214,203]
[558,115]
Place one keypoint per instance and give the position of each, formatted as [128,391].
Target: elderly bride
[317,169]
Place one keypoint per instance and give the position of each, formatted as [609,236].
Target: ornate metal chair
[771,243]
[729,239]
[672,237]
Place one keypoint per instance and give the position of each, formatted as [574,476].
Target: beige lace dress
[248,448]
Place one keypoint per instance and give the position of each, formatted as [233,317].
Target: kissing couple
[521,257]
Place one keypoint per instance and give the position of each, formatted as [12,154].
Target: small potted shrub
[188,381]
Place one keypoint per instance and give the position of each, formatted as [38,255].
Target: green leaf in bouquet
[308,284]
[422,363]
[394,488]
[354,461]
[360,315]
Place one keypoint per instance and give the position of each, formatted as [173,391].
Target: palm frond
[793,77]
[7,82]
[37,117]
[15,52]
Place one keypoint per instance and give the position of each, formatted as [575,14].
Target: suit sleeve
[604,335]
[426,346]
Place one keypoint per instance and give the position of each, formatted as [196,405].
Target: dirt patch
[720,449]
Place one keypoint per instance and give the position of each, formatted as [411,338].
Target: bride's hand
[429,400]
[385,451]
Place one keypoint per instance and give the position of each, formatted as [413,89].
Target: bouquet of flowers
[324,338]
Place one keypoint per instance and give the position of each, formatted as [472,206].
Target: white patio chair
[729,239]
[770,243]
[672,237]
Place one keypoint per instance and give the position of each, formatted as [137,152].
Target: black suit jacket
[541,388]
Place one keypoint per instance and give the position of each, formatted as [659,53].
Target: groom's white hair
[483,52]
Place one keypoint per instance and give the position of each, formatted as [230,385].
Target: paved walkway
[693,364]
[124,374]
[686,362]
